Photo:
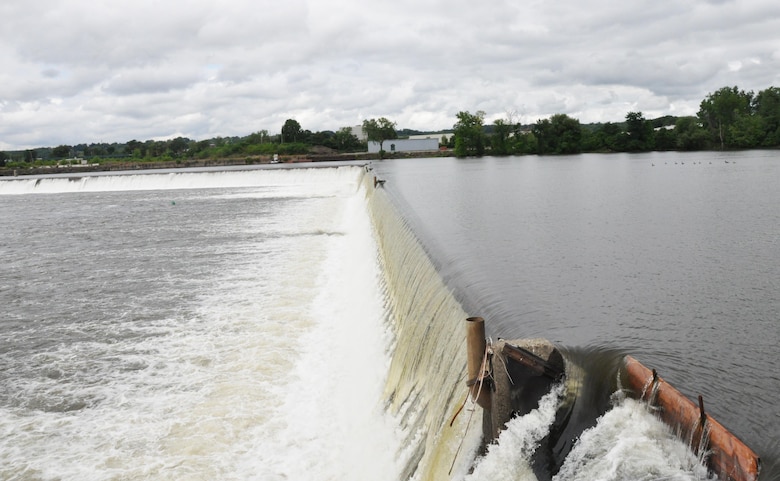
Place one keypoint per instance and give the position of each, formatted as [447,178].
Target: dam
[412,327]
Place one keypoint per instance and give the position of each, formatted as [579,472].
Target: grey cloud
[50,73]
[150,80]
[143,69]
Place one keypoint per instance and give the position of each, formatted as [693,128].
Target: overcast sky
[74,71]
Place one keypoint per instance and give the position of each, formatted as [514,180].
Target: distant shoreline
[227,162]
[129,166]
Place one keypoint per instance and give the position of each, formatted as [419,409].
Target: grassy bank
[124,165]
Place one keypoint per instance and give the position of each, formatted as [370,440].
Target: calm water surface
[672,258]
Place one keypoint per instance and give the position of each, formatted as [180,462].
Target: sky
[89,71]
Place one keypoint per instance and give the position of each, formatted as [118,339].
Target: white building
[438,135]
[357,131]
[405,145]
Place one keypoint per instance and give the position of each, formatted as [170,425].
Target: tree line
[293,140]
[728,118]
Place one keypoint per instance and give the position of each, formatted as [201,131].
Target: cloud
[150,80]
[75,71]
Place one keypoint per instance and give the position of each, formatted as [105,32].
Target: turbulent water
[261,324]
[228,332]
[670,257]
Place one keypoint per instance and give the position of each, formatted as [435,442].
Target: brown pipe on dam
[727,456]
[476,347]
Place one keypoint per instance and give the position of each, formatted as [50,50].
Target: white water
[276,372]
[630,443]
[311,181]
[282,368]
[517,444]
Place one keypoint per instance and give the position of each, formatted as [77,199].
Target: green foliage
[257,138]
[720,110]
[607,139]
[291,131]
[297,148]
[379,130]
[61,151]
[500,144]
[526,143]
[639,133]
[345,141]
[567,134]
[767,106]
[727,118]
[746,131]
[665,139]
[689,135]
[469,135]
[178,146]
[560,134]
[260,149]
[542,131]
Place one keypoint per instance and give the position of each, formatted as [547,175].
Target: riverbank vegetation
[293,142]
[729,118]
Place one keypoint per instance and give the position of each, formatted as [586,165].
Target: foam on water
[509,459]
[630,443]
[282,182]
[627,443]
[329,420]
[276,371]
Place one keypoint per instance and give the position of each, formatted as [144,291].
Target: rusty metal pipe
[728,456]
[476,346]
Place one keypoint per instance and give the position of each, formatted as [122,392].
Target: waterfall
[425,384]
[278,181]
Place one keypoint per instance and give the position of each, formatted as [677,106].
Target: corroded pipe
[476,347]
[728,457]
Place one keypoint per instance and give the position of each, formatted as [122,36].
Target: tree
[469,134]
[135,148]
[543,134]
[560,134]
[155,148]
[178,146]
[500,139]
[345,141]
[608,137]
[567,133]
[379,130]
[257,138]
[747,132]
[720,110]
[639,132]
[664,139]
[767,106]
[61,151]
[291,131]
[689,134]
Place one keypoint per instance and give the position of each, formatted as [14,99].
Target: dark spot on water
[135,366]
[52,373]
[56,405]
